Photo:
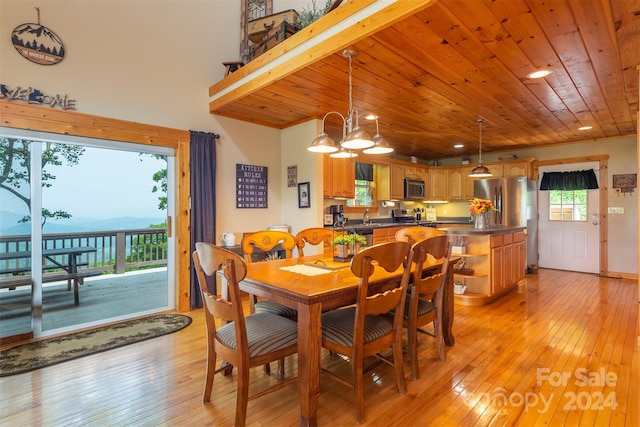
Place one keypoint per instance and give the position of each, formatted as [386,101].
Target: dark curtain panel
[576,180]
[364,171]
[202,165]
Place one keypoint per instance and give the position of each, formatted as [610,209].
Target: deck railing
[117,251]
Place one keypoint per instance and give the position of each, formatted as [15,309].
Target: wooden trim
[583,159]
[43,119]
[617,274]
[603,174]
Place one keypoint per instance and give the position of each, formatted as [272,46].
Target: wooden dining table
[294,283]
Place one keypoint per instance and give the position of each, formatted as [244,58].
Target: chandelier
[480,171]
[353,136]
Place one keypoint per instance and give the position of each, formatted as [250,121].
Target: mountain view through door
[105,246]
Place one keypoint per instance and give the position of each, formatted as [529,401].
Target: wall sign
[251,187]
[625,183]
[38,43]
[292,176]
[35,96]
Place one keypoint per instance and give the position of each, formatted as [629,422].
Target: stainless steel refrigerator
[515,198]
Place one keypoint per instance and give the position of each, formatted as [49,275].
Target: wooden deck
[556,325]
[101,297]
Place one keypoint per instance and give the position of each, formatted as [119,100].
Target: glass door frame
[36,139]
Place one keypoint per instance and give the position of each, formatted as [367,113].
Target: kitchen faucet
[365,217]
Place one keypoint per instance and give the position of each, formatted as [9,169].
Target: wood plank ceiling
[431,76]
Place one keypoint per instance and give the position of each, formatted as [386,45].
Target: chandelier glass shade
[480,171]
[353,136]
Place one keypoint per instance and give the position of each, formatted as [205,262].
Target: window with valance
[567,181]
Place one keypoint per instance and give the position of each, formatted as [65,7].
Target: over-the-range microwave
[414,189]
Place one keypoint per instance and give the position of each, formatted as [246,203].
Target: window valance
[364,171]
[576,180]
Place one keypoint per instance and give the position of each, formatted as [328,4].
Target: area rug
[50,351]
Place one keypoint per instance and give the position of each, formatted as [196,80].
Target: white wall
[295,141]
[152,62]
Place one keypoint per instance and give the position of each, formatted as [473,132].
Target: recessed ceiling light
[458,146]
[539,74]
[585,128]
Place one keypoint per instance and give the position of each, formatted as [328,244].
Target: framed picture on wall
[303,195]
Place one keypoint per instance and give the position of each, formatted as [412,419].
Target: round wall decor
[38,44]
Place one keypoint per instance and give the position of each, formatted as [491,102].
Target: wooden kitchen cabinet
[497,170]
[438,184]
[498,262]
[415,171]
[339,180]
[501,263]
[384,235]
[390,181]
[517,168]
[327,176]
[460,184]
[412,172]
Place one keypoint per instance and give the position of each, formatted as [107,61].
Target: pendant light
[353,136]
[480,171]
[380,144]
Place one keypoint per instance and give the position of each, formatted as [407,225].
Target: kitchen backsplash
[444,211]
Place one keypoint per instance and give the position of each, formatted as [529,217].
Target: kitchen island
[493,261]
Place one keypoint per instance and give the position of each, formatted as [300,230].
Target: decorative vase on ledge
[481,220]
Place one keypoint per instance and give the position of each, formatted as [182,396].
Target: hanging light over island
[480,171]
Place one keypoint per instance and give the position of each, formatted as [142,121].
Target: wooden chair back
[428,291]
[269,344]
[390,256]
[267,240]
[369,322]
[416,234]
[440,250]
[208,259]
[314,236]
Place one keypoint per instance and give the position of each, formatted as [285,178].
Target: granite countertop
[449,227]
[470,229]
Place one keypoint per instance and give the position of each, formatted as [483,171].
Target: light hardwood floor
[534,348]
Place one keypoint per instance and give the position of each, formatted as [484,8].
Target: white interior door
[569,245]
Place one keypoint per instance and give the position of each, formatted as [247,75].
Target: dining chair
[243,342]
[267,240]
[425,297]
[415,234]
[364,329]
[314,236]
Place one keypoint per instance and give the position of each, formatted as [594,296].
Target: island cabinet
[339,178]
[384,235]
[492,264]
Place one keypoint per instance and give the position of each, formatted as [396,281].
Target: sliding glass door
[101,251]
